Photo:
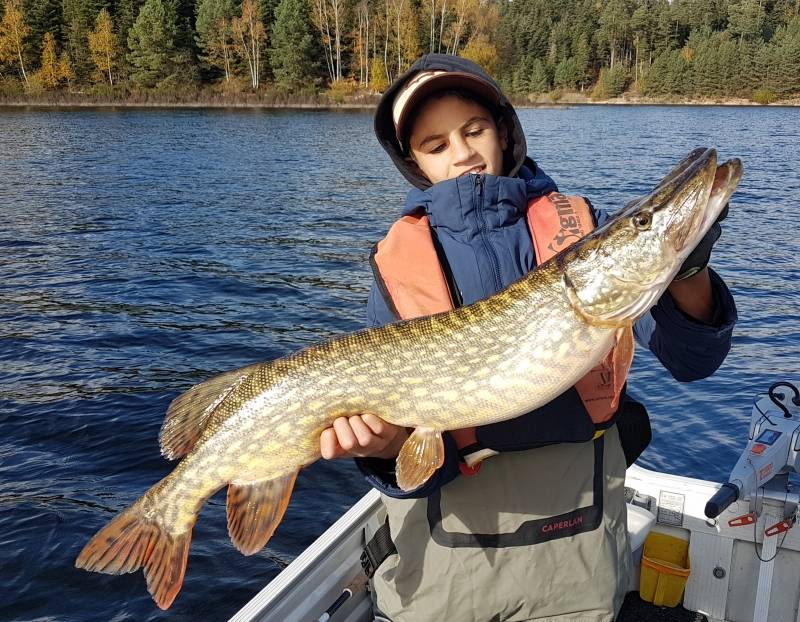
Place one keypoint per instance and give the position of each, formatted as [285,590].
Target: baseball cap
[427,82]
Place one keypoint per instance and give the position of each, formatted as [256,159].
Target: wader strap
[377,550]
[531,532]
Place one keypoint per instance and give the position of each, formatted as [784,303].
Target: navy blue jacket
[488,246]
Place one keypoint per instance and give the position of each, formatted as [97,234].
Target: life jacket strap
[470,451]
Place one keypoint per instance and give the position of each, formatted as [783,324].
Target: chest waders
[536,534]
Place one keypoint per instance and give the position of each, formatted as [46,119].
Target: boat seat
[639,523]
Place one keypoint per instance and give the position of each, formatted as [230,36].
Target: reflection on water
[142,251]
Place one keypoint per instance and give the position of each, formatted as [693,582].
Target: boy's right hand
[362,436]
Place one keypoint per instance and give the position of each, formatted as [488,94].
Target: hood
[514,155]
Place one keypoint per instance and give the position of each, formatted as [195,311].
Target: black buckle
[367,563]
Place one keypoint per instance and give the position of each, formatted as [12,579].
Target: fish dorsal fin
[419,457]
[189,413]
[255,510]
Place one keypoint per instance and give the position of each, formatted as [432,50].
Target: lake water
[142,251]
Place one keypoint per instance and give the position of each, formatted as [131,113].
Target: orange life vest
[411,274]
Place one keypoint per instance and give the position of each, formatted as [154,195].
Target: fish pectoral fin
[419,457]
[255,510]
[130,541]
[188,414]
[622,360]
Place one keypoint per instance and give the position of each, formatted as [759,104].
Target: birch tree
[406,35]
[215,33]
[250,35]
[329,18]
[103,46]
[337,10]
[12,36]
[465,10]
[361,42]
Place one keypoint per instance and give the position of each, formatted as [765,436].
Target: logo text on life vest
[563,524]
[569,222]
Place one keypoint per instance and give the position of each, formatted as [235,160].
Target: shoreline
[368,103]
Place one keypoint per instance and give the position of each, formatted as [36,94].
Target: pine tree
[42,16]
[583,59]
[294,51]
[540,78]
[788,66]
[567,74]
[79,18]
[103,46]
[614,19]
[153,54]
[746,19]
[13,32]
[125,14]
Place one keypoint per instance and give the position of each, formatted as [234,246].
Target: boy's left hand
[698,259]
[362,436]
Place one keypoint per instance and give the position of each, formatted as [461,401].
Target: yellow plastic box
[665,569]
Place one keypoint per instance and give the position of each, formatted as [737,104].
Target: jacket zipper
[479,181]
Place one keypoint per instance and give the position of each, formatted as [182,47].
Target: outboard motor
[770,456]
[762,474]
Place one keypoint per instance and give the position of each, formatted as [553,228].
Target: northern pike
[252,429]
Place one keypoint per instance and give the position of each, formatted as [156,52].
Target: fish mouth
[693,196]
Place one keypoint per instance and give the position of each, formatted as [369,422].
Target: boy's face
[452,137]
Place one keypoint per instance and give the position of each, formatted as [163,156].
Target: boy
[526,518]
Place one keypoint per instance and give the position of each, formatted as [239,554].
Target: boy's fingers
[363,432]
[328,445]
[344,434]
[378,426]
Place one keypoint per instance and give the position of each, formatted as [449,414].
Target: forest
[682,50]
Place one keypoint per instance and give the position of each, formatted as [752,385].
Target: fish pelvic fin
[622,359]
[256,509]
[132,540]
[420,456]
[189,413]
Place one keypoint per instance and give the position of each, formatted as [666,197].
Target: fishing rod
[358,583]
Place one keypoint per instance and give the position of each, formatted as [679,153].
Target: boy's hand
[362,436]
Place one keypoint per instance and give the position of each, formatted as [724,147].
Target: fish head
[618,272]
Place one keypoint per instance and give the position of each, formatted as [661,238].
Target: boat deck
[634,609]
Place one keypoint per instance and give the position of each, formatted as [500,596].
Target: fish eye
[642,221]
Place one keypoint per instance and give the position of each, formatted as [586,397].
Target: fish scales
[252,429]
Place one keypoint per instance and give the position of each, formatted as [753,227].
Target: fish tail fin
[255,509]
[132,540]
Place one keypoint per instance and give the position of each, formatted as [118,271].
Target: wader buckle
[377,550]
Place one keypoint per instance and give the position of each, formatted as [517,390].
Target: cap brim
[449,80]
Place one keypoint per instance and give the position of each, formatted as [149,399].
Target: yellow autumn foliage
[481,51]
